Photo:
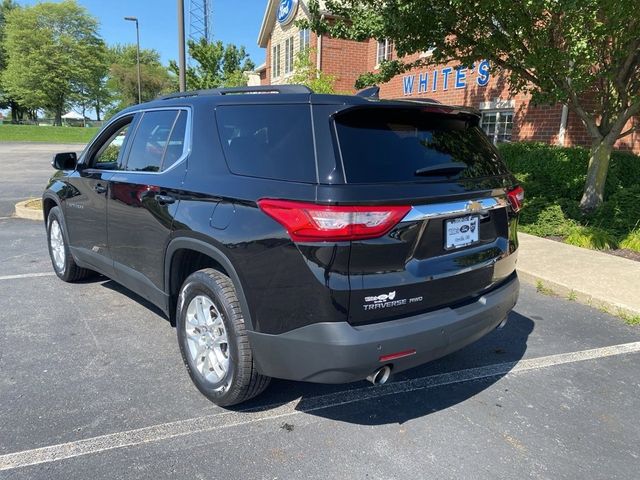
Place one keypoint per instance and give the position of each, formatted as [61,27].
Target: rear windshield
[268,141]
[408,145]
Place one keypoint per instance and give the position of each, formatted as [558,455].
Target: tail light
[516,198]
[309,222]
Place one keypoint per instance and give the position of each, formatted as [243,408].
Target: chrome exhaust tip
[502,323]
[380,376]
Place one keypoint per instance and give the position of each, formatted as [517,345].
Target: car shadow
[408,395]
[116,287]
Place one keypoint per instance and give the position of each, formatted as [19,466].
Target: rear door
[143,199]
[458,239]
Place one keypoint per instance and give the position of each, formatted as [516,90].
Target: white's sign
[445,78]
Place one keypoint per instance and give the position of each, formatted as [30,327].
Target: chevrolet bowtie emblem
[473,206]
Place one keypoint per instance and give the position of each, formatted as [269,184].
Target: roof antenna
[369,92]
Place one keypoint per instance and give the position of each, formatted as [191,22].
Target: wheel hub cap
[207,339]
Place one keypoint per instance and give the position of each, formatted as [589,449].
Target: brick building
[505,117]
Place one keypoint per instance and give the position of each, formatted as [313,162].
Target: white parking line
[228,419]
[27,275]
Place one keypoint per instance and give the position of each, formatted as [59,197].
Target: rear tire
[213,340]
[63,263]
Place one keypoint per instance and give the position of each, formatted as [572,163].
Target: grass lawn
[34,133]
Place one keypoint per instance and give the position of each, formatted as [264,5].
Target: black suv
[309,237]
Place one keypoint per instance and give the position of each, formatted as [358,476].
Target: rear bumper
[336,352]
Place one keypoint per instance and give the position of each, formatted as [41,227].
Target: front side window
[497,125]
[157,141]
[108,155]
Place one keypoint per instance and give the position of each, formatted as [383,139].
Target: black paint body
[116,225]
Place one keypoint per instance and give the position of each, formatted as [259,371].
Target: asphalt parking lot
[92,386]
[25,171]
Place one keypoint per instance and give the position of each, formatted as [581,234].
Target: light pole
[135,19]
[182,80]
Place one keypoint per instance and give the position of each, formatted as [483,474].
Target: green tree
[306,73]
[94,91]
[5,7]
[123,75]
[5,100]
[585,54]
[218,65]
[47,46]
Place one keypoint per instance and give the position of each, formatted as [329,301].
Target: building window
[385,47]
[305,39]
[288,55]
[275,61]
[497,124]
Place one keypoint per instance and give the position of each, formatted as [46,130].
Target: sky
[234,21]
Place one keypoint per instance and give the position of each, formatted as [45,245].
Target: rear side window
[175,147]
[158,141]
[268,141]
[380,145]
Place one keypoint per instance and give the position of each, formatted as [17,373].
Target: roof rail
[290,89]
[369,92]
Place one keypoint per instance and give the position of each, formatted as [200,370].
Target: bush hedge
[553,178]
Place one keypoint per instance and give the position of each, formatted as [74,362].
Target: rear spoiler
[453,109]
[428,106]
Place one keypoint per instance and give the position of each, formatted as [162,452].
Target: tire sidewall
[201,284]
[54,214]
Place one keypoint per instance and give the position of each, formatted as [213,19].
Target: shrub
[546,219]
[561,171]
[631,241]
[591,237]
[553,178]
[621,212]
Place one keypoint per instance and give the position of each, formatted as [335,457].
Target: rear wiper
[449,168]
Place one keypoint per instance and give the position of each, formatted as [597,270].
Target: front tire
[63,263]
[213,340]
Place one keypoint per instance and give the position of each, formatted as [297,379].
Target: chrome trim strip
[465,207]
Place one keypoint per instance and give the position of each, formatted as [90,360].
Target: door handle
[99,188]
[165,199]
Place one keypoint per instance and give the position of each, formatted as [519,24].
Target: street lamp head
[131,19]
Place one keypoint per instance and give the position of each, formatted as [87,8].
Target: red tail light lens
[516,198]
[308,222]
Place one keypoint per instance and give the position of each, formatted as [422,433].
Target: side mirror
[64,161]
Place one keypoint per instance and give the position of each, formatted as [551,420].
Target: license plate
[461,232]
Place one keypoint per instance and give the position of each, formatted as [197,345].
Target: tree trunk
[97,110]
[15,113]
[58,119]
[596,175]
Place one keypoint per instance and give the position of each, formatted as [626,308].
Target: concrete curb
[586,276]
[22,211]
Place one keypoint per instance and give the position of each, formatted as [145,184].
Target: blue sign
[443,79]
[286,11]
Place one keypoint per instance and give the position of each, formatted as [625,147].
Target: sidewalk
[588,276]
